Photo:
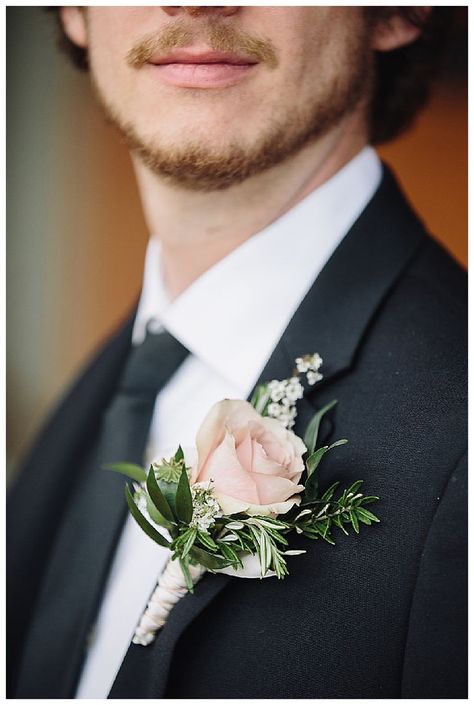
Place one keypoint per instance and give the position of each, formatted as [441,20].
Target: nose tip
[196,11]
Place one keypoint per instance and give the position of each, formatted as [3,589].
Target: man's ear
[73,20]
[397,31]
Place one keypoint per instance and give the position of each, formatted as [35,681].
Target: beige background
[76,237]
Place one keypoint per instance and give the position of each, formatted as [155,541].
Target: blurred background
[75,233]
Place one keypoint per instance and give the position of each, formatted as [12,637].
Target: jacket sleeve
[435,664]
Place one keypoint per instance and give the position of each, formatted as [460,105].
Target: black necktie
[82,555]
[127,420]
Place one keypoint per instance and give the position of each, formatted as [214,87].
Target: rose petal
[274,489]
[229,505]
[263,464]
[280,444]
[245,452]
[274,447]
[225,470]
[233,413]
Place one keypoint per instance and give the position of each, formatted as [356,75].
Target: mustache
[218,36]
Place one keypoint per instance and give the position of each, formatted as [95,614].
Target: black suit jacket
[381,615]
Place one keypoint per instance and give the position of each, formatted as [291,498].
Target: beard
[197,167]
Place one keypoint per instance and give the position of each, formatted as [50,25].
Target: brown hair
[402,77]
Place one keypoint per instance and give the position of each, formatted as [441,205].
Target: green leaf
[157,496]
[361,517]
[207,541]
[340,442]
[229,553]
[329,493]
[134,472]
[268,551]
[188,544]
[328,539]
[354,521]
[262,544]
[338,522]
[322,529]
[260,398]
[312,463]
[311,485]
[325,527]
[314,459]
[184,500]
[368,500]
[179,455]
[354,488]
[155,514]
[368,515]
[169,490]
[278,537]
[142,522]
[311,436]
[187,575]
[204,558]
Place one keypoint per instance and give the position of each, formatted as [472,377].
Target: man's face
[210,96]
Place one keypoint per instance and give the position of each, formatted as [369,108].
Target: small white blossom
[274,410]
[302,365]
[286,420]
[309,365]
[285,393]
[205,506]
[294,390]
[140,497]
[316,362]
[277,390]
[313,377]
[284,396]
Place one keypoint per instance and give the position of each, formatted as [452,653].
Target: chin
[210,139]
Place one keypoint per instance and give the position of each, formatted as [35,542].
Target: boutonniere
[253,483]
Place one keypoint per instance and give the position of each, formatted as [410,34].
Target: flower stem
[170,588]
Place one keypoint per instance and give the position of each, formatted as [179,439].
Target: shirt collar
[233,315]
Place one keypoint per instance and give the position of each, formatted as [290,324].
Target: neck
[197,229]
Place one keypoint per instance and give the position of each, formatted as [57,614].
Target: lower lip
[202,75]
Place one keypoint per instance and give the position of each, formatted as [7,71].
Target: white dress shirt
[230,319]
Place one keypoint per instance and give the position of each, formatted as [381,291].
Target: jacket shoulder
[435,269]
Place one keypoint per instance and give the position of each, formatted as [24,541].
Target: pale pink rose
[254,462]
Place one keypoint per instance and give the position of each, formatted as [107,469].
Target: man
[275,232]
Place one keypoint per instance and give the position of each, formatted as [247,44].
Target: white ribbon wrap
[170,589]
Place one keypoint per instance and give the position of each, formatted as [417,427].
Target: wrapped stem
[170,589]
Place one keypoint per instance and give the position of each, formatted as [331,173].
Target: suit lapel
[331,320]
[338,309]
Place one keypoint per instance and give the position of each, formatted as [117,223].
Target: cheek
[319,45]
[112,32]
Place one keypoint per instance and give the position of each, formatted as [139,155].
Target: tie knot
[151,364]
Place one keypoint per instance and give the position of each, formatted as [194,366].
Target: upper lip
[202,56]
